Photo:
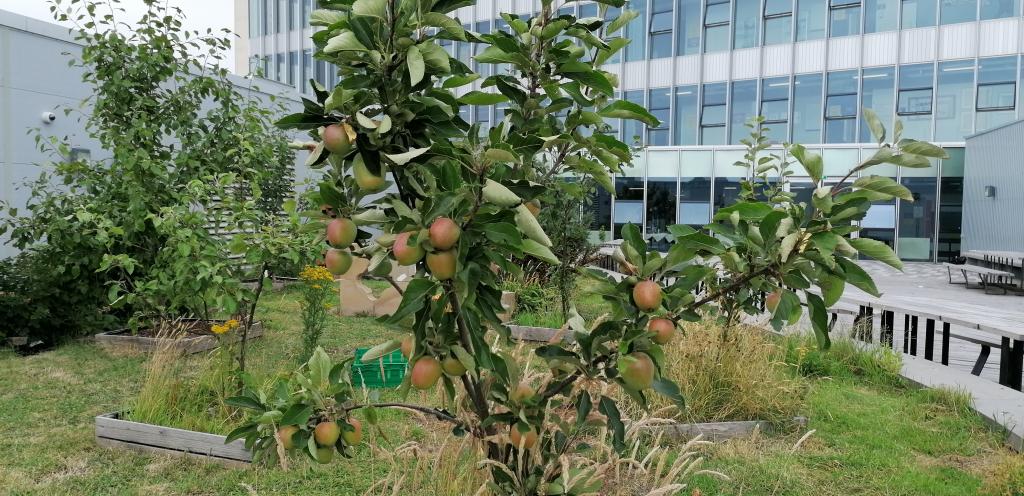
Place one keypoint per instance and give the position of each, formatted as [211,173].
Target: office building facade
[704,67]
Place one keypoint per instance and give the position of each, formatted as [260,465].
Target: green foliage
[129,235]
[317,292]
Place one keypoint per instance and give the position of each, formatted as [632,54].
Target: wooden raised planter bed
[124,340]
[720,431]
[114,432]
[539,334]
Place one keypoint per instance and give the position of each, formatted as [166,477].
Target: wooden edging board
[122,339]
[115,432]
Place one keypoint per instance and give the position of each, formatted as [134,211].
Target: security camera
[49,117]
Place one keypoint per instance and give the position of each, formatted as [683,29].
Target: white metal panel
[998,36]
[484,8]
[716,66]
[880,49]
[777,60]
[809,56]
[746,63]
[465,14]
[843,52]
[917,45]
[659,72]
[503,6]
[524,6]
[688,69]
[958,41]
[634,75]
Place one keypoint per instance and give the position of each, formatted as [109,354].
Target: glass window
[588,10]
[633,131]
[482,27]
[662,170]
[807,111]
[609,15]
[997,9]
[712,114]
[810,19]
[997,91]
[716,26]
[688,32]
[293,67]
[254,18]
[282,68]
[659,102]
[951,204]
[844,18]
[267,9]
[881,15]
[954,100]
[601,210]
[914,101]
[727,191]
[661,29]
[321,72]
[629,203]
[877,88]
[954,11]
[917,218]
[841,107]
[686,116]
[266,66]
[778,22]
[294,14]
[307,69]
[307,9]
[744,106]
[748,13]
[695,187]
[482,116]
[282,16]
[918,13]
[636,31]
[775,107]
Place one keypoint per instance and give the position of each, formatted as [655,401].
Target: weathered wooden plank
[540,334]
[141,448]
[112,427]
[719,431]
[120,339]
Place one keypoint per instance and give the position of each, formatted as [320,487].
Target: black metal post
[885,335]
[945,343]
[913,335]
[1011,362]
[906,333]
[929,339]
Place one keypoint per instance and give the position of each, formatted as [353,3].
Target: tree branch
[735,284]
[434,412]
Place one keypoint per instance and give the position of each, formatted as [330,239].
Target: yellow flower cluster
[311,274]
[225,327]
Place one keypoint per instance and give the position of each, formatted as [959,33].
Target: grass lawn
[869,438]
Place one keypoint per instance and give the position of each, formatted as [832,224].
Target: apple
[647,295]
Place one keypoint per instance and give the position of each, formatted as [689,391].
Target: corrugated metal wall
[994,158]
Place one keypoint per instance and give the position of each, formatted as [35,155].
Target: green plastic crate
[385,372]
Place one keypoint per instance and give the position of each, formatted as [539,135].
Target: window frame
[786,99]
[843,5]
[977,96]
[931,100]
[766,16]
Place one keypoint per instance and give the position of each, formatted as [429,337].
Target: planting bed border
[721,431]
[122,339]
[112,431]
[539,334]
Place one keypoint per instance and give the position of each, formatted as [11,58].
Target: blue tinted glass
[744,107]
[877,90]
[717,13]
[807,111]
[954,96]
[840,130]
[689,27]
[686,116]
[881,15]
[845,21]
[842,82]
[773,7]
[712,135]
[714,94]
[810,19]
[631,130]
[916,76]
[778,30]
[661,21]
[747,23]
[996,9]
[996,96]
[918,13]
[636,31]
[775,88]
[775,107]
[954,11]
[716,39]
[661,45]
[997,69]
[588,10]
[841,106]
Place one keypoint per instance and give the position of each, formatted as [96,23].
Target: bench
[987,277]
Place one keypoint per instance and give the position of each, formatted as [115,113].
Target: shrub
[317,293]
[846,358]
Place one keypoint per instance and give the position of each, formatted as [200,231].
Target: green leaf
[885,185]
[245,402]
[621,109]
[324,17]
[874,124]
[831,288]
[373,8]
[480,98]
[499,155]
[539,251]
[858,277]
[381,350]
[819,319]
[414,60]
[404,158]
[811,161]
[414,299]
[788,244]
[922,148]
[598,81]
[670,390]
[449,25]
[608,408]
[319,366]
[456,81]
[241,432]
[877,250]
[435,57]
[344,42]
[297,414]
[620,22]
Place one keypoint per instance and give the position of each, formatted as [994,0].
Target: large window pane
[881,15]
[778,30]
[716,26]
[659,102]
[688,31]
[601,211]
[295,14]
[633,131]
[811,19]
[877,89]
[687,115]
[629,203]
[775,107]
[917,219]
[712,115]
[282,16]
[918,13]
[951,200]
[841,107]
[954,101]
[914,101]
[997,9]
[844,18]
[954,11]
[727,191]
[716,39]
[880,222]
[661,203]
[307,70]
[636,31]
[997,87]
[744,106]
[695,188]
[807,111]
[660,27]
[748,13]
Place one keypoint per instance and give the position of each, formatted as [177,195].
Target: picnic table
[1006,326]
